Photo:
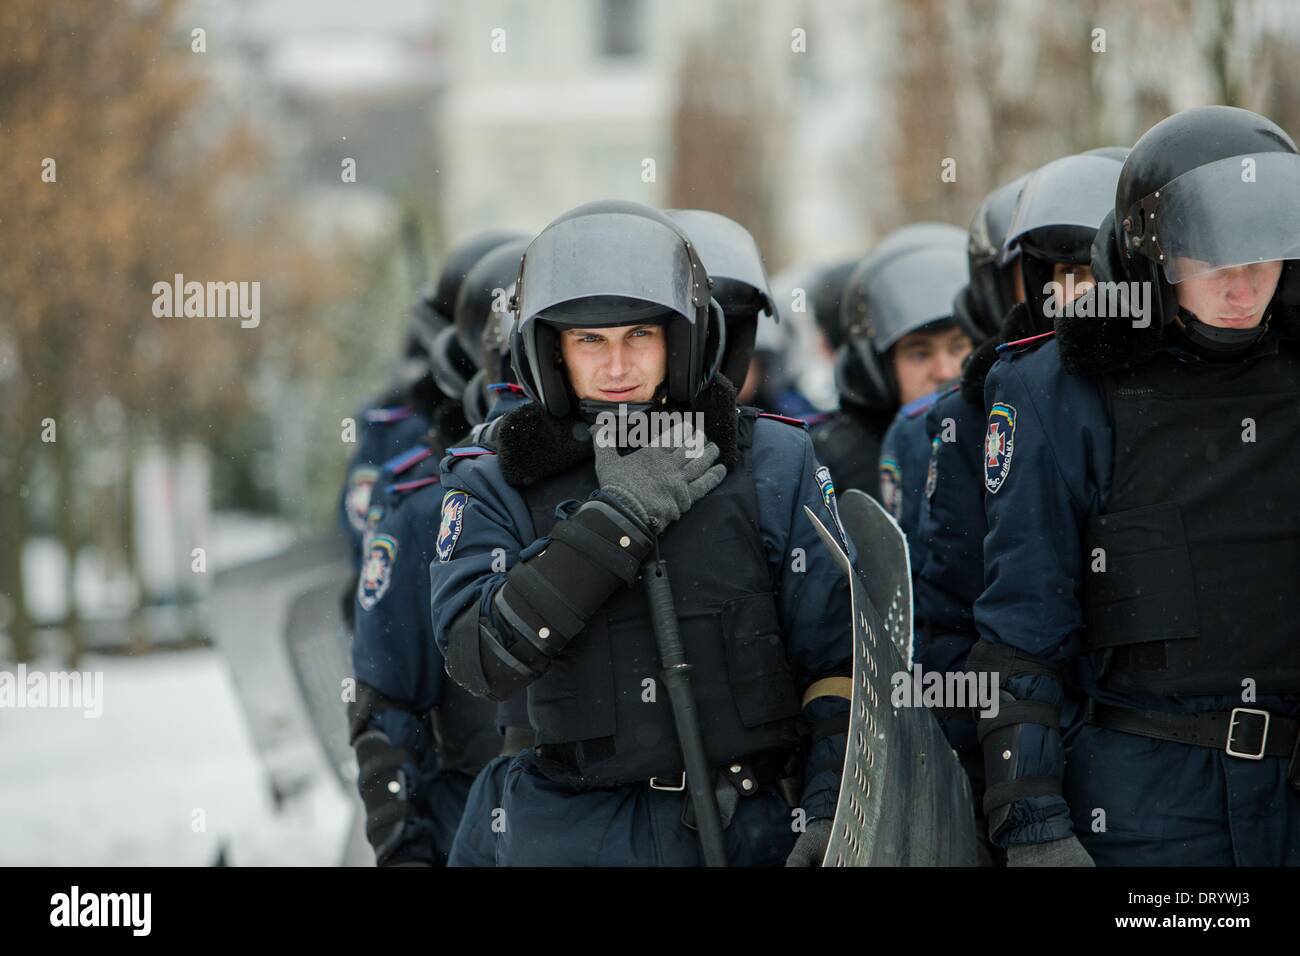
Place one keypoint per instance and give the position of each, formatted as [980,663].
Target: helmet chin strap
[589,408]
[1213,342]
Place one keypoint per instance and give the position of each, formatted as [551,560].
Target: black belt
[748,773]
[1247,733]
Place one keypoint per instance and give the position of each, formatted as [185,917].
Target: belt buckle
[1263,740]
[674,788]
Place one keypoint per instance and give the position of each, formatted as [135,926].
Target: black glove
[810,848]
[657,486]
[1066,852]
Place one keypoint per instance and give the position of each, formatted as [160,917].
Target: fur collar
[534,445]
[1017,325]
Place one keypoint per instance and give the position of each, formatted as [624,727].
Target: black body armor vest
[604,695]
[1201,532]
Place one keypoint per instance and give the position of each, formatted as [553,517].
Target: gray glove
[656,486]
[1066,852]
[810,848]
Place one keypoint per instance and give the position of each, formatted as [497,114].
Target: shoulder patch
[891,486]
[918,406]
[817,418]
[798,422]
[391,413]
[827,487]
[356,501]
[453,523]
[1021,345]
[402,487]
[406,460]
[469,451]
[376,570]
[999,443]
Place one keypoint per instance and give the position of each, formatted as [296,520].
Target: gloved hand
[656,486]
[1066,852]
[810,848]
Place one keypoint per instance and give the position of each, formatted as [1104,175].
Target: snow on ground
[123,789]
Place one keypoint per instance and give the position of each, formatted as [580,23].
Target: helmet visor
[726,248]
[1234,212]
[1074,191]
[912,290]
[609,256]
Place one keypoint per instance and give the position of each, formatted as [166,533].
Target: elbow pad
[547,600]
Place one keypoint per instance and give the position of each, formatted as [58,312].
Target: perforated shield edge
[904,799]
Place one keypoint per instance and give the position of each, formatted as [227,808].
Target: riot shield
[277,622]
[904,798]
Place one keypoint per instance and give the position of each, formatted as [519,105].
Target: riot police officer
[1048,235]
[406,413]
[901,342]
[420,739]
[1139,602]
[537,582]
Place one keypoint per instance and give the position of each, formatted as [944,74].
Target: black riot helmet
[1206,189]
[611,263]
[991,292]
[734,263]
[460,259]
[825,294]
[449,364]
[482,297]
[907,283]
[1056,219]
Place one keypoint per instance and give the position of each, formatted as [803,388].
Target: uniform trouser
[476,840]
[446,800]
[553,823]
[1171,804]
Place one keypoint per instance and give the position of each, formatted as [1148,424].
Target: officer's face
[1230,298]
[1081,275]
[621,364]
[925,361]
[1017,282]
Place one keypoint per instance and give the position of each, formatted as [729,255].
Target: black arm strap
[1019,712]
[1008,792]
[547,600]
[598,548]
[1010,662]
[368,703]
